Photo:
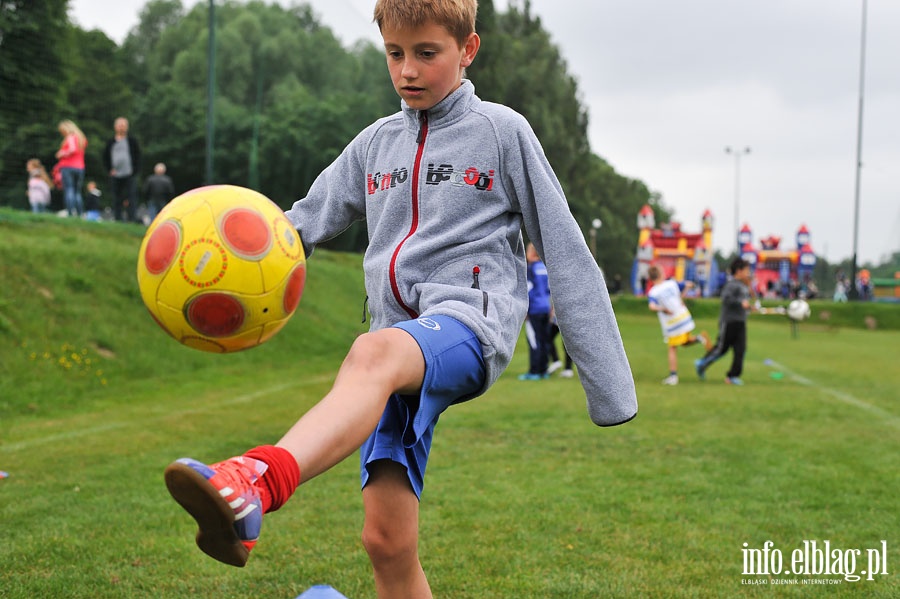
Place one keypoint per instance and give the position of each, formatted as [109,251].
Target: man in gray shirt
[122,158]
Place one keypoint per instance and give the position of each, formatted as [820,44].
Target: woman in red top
[71,165]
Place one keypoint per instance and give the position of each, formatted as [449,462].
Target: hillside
[74,332]
[71,318]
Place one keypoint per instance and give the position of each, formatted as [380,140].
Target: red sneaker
[223,501]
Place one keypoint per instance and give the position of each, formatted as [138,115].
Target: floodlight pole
[737,194]
[210,92]
[595,226]
[853,292]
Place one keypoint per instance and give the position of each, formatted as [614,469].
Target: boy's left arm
[584,311]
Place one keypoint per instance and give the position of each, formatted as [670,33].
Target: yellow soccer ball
[221,268]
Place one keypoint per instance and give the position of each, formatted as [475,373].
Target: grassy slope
[525,498]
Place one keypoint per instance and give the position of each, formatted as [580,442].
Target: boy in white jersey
[666,299]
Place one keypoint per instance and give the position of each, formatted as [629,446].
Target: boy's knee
[390,357]
[370,351]
[386,545]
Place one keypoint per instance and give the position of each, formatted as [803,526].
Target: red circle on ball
[294,289]
[215,314]
[162,247]
[246,232]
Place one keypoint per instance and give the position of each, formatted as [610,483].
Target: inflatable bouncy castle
[777,271]
[688,256]
[681,255]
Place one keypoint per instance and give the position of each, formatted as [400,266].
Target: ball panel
[203,262]
[162,247]
[294,288]
[215,314]
[203,344]
[288,239]
[246,233]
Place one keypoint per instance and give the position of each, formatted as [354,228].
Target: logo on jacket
[384,181]
[471,176]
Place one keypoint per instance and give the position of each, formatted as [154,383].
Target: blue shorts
[454,372]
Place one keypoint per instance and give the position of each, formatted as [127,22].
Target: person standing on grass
[537,323]
[92,206]
[158,190]
[666,298]
[732,324]
[122,158]
[38,186]
[445,186]
[555,362]
[70,158]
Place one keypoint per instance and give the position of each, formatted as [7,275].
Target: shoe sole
[215,518]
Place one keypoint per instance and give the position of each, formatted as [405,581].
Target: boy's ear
[470,49]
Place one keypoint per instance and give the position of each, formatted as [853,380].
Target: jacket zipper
[420,140]
[476,270]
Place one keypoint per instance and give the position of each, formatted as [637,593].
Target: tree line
[288,97]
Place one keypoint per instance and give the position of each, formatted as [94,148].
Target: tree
[96,94]
[289,97]
[34,39]
[517,54]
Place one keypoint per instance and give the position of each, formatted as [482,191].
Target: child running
[666,299]
[732,324]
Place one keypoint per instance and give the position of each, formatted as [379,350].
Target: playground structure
[685,256]
[883,289]
[778,272]
[681,256]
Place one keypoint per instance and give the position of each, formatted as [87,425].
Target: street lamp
[595,226]
[737,193]
[854,291]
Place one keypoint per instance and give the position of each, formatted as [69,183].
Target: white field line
[143,419]
[839,395]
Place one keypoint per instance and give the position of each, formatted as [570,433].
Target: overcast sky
[669,85]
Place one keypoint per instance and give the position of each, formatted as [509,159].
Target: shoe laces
[240,473]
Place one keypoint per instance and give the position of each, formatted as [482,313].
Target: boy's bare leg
[391,533]
[673,359]
[378,364]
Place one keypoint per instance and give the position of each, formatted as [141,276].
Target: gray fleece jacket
[445,194]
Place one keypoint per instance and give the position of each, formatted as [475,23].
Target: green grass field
[524,496]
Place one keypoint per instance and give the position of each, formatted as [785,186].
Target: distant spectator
[70,158]
[92,202]
[38,186]
[616,287]
[158,190]
[537,324]
[122,158]
[555,362]
[840,289]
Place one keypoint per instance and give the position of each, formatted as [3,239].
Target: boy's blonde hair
[457,16]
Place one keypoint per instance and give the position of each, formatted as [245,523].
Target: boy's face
[743,274]
[426,62]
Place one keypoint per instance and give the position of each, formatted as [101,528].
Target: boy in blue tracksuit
[537,323]
[445,187]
